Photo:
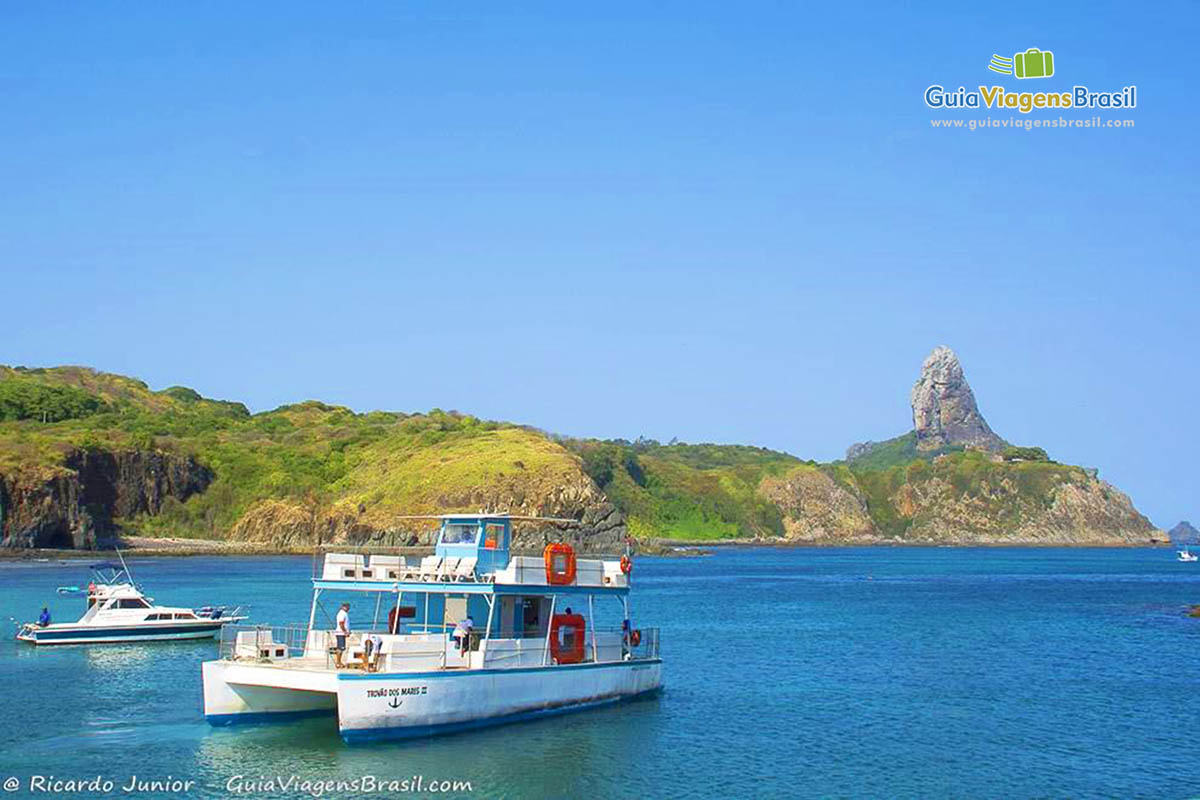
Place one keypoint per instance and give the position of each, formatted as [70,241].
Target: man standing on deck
[341,632]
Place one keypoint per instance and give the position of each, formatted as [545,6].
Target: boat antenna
[124,566]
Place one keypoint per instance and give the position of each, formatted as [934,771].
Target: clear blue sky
[718,222]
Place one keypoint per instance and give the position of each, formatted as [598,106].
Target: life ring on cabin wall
[560,564]
[578,627]
[626,564]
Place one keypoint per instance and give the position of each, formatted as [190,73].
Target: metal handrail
[295,638]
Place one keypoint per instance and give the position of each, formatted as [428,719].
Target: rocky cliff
[817,508]
[283,523]
[75,505]
[944,409]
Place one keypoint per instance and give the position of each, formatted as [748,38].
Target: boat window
[494,537]
[130,602]
[185,616]
[150,617]
[460,533]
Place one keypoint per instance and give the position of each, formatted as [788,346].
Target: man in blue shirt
[44,619]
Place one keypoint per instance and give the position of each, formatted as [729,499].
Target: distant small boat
[1186,555]
[118,611]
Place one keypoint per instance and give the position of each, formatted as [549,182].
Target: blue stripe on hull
[256,717]
[43,636]
[351,736]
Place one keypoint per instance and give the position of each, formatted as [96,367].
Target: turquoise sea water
[797,673]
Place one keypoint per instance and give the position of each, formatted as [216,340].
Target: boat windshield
[460,533]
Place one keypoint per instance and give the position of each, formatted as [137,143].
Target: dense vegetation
[683,491]
[310,453]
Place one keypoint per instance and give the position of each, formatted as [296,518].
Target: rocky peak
[943,405]
[1184,533]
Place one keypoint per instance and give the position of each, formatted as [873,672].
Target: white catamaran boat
[468,637]
[1186,555]
[117,611]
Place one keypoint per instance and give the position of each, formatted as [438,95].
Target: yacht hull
[97,634]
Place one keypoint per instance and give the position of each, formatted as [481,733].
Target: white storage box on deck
[258,644]
[343,566]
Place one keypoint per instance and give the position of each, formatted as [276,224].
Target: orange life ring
[578,627]
[626,564]
[635,637]
[560,564]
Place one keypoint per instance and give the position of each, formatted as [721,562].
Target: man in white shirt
[341,632]
[462,633]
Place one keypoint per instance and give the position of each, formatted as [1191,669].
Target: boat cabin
[472,604]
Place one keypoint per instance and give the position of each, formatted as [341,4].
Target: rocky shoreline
[671,548]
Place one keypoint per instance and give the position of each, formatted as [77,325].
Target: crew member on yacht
[340,633]
[462,633]
[44,618]
[372,645]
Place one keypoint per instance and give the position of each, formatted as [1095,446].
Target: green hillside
[312,469]
[308,453]
[682,491]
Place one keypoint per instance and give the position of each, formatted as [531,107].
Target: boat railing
[263,642]
[270,643]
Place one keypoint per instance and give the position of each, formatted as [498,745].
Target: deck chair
[446,573]
[410,571]
[429,568]
[465,571]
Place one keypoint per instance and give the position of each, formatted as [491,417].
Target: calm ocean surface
[798,673]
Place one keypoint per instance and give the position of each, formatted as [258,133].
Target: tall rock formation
[944,409]
[1184,533]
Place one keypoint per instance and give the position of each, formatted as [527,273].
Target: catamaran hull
[84,634]
[407,705]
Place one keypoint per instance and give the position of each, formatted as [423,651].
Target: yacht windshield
[460,533]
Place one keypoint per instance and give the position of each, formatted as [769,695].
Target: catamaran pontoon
[421,668]
[117,611]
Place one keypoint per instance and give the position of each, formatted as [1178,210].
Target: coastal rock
[600,527]
[815,507]
[74,505]
[944,409]
[1078,510]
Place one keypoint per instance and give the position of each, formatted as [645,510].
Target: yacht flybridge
[118,611]
[467,637]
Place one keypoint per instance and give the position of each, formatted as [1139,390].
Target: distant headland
[88,459]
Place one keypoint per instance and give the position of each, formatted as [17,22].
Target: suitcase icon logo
[1033,63]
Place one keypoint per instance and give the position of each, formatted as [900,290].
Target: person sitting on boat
[372,645]
[91,593]
[462,633]
[341,632]
[44,618]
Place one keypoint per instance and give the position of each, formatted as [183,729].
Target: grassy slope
[309,451]
[700,492]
